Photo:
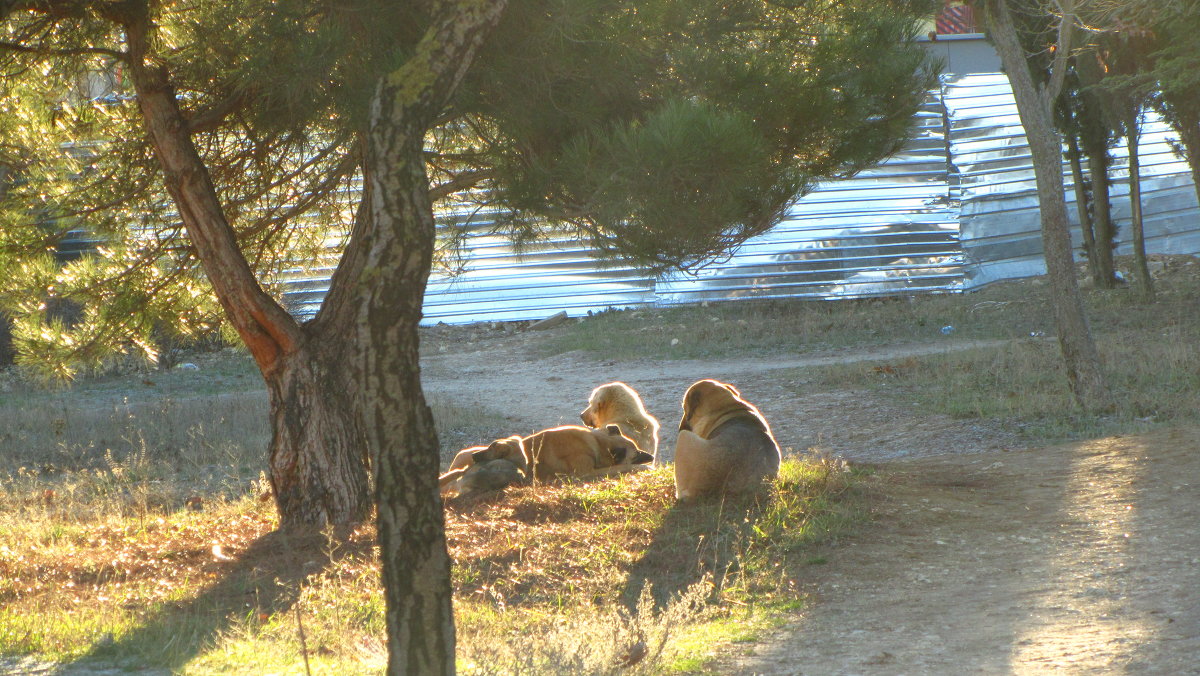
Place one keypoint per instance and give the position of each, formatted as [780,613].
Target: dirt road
[1075,559]
[986,558]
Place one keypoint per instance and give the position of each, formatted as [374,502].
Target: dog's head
[609,400]
[493,475]
[511,449]
[709,402]
[624,451]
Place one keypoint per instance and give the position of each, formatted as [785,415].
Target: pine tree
[663,131]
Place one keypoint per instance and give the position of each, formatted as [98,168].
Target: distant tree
[1123,54]
[1149,59]
[1035,104]
[667,131]
[1097,130]
[1175,67]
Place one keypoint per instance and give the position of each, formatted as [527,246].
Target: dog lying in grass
[549,455]
[724,445]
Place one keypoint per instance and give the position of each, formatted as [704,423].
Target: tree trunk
[1133,133]
[1034,106]
[316,453]
[317,457]
[1082,203]
[7,355]
[1105,231]
[1188,126]
[398,254]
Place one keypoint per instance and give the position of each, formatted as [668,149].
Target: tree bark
[1104,228]
[1082,204]
[1035,106]
[316,463]
[1133,133]
[398,254]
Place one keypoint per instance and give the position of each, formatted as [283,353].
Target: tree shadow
[264,580]
[698,541]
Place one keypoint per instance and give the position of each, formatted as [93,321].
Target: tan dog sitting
[725,444]
[619,404]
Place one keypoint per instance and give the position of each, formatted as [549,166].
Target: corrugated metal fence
[955,210]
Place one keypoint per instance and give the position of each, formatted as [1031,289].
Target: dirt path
[1076,559]
[987,558]
[496,373]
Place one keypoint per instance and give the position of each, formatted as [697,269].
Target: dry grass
[752,328]
[1148,353]
[132,531]
[592,576]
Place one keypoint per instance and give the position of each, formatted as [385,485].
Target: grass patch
[623,565]
[757,327]
[588,578]
[1153,370]
[751,327]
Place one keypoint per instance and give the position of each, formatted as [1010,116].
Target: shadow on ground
[262,581]
[697,542]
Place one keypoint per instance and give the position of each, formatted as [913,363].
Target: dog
[724,445]
[580,452]
[619,404]
[482,477]
[460,477]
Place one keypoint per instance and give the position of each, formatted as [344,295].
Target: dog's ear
[685,423]
[641,458]
[482,456]
[613,430]
[691,401]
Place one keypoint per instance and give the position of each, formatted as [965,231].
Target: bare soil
[986,556]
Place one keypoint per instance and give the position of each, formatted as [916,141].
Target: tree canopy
[662,132]
[255,119]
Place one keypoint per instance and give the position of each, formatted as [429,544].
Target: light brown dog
[482,477]
[580,452]
[460,476]
[725,444]
[619,404]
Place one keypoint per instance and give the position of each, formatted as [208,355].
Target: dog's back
[736,452]
[580,451]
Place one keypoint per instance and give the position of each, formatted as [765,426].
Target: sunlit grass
[1154,374]
[577,578]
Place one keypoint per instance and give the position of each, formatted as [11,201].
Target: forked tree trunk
[1034,105]
[317,456]
[1145,283]
[316,453]
[391,282]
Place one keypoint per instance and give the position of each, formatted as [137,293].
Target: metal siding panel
[942,215]
[1000,226]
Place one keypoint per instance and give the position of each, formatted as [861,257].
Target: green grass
[620,562]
